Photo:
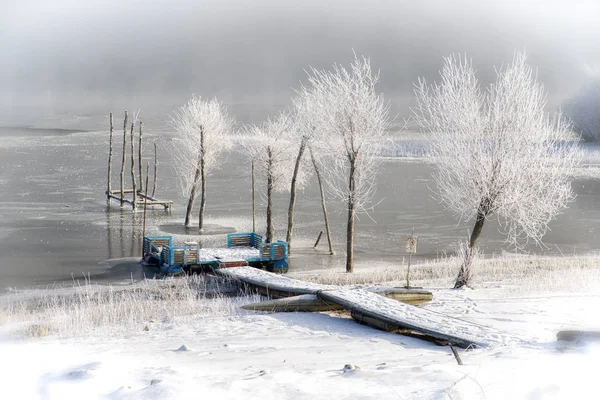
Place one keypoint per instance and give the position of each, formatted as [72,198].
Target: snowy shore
[178,347]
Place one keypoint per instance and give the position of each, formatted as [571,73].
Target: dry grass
[531,273]
[82,309]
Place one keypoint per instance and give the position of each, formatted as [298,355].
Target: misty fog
[95,56]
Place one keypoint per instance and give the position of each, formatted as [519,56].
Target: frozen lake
[55,222]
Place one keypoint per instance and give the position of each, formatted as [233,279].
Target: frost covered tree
[583,109]
[269,146]
[203,133]
[497,152]
[353,118]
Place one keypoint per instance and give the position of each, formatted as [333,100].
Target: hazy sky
[96,55]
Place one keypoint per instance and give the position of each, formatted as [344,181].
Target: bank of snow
[231,354]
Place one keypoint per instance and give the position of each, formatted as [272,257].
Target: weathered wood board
[407,296]
[301,303]
[278,286]
[272,285]
[388,314]
[311,303]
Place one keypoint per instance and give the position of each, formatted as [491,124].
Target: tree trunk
[290,228]
[110,155]
[465,273]
[270,229]
[203,177]
[123,160]
[140,155]
[192,198]
[133,165]
[351,216]
[323,205]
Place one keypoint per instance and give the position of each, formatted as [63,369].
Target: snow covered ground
[232,354]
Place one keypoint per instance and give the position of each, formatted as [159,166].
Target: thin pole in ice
[253,217]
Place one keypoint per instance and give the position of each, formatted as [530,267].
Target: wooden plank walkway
[272,285]
[369,307]
[388,314]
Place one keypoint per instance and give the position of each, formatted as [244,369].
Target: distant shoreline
[20,130]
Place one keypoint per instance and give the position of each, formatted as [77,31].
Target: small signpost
[411,247]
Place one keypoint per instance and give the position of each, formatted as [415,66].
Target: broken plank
[389,314]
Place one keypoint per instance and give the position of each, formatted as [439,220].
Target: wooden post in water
[253,219]
[140,153]
[109,236]
[411,247]
[318,239]
[133,165]
[408,272]
[122,232]
[323,205]
[145,206]
[155,170]
[110,154]
[123,160]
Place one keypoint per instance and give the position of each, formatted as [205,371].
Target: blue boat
[243,249]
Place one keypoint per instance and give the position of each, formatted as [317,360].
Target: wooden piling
[110,154]
[323,205]
[133,165]
[253,218]
[122,232]
[145,207]
[109,235]
[155,170]
[140,153]
[123,159]
[456,355]
[318,239]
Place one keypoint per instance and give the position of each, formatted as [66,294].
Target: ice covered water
[55,222]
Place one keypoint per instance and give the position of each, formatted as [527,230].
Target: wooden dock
[393,316]
[371,306]
[139,194]
[140,199]
[272,285]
